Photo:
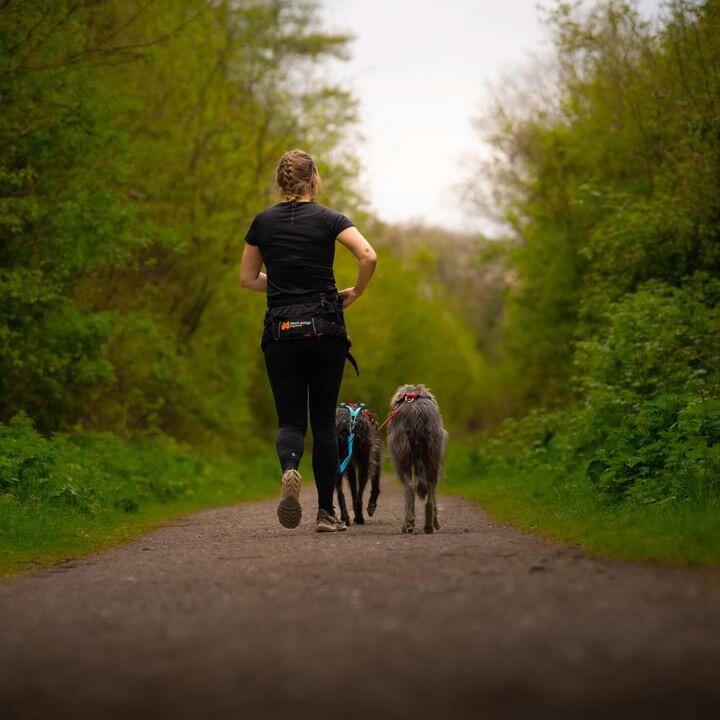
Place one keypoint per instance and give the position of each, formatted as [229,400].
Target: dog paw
[359,520]
[371,508]
[436,524]
[429,529]
[408,529]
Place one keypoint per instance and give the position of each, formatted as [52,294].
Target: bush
[92,471]
[661,339]
[668,451]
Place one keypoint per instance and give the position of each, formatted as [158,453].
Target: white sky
[421,70]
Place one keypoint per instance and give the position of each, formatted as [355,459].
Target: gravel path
[226,615]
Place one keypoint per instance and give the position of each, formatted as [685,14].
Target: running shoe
[329,523]
[289,511]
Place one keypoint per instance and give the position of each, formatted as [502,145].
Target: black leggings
[308,368]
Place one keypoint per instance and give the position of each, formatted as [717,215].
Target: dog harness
[406,398]
[354,414]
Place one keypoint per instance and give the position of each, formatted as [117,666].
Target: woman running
[304,339]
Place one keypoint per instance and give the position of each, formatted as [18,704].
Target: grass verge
[77,493]
[41,535]
[566,508]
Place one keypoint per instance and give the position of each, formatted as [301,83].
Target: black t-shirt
[297,243]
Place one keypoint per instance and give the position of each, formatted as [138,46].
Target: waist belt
[306,320]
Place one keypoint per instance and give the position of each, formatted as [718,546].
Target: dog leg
[439,475]
[362,482]
[431,522]
[374,490]
[341,500]
[429,512]
[409,524]
[352,481]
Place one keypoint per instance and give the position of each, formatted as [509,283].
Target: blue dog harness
[354,414]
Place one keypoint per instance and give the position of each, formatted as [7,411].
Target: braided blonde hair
[297,175]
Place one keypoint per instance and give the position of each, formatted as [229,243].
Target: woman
[304,340]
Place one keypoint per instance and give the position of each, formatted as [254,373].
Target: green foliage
[89,472]
[645,430]
[60,217]
[660,339]
[599,174]
[668,451]
[655,368]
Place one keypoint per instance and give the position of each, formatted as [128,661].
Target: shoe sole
[289,511]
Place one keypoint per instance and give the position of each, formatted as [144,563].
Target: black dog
[365,461]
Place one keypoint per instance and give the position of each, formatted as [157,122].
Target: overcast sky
[420,70]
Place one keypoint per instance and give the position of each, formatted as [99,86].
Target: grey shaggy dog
[365,463]
[417,442]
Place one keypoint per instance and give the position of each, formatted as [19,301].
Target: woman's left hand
[349,296]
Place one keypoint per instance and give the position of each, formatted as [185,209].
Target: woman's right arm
[353,240]
[250,275]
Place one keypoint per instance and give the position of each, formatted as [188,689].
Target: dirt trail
[226,615]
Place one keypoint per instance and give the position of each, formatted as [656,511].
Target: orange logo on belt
[285,325]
